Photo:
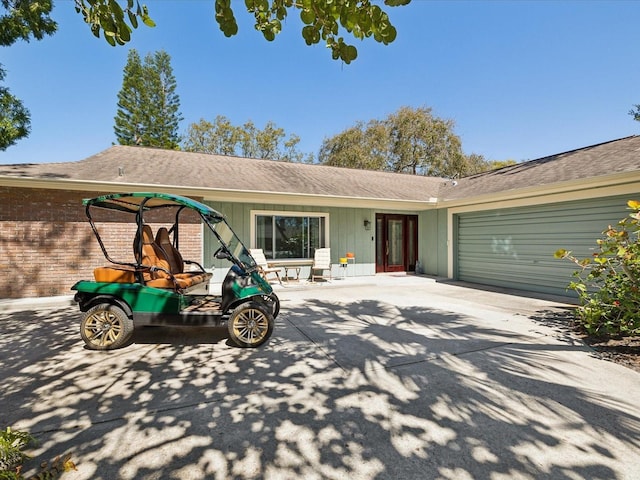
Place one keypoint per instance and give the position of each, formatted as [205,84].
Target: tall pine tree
[148,105]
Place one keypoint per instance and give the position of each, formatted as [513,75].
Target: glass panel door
[395,244]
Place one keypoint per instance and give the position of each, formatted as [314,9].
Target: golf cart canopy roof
[134,202]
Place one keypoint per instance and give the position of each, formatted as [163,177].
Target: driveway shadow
[360,390]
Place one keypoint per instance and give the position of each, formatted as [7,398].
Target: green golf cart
[158,287]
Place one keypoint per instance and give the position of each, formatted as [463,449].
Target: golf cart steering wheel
[220,250]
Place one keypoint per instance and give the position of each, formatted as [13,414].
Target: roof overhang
[624,183]
[223,195]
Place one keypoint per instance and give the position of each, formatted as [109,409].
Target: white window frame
[287,213]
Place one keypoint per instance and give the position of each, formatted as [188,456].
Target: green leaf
[109,27]
[281,13]
[116,10]
[561,253]
[95,29]
[376,14]
[350,21]
[350,54]
[310,35]
[269,35]
[146,19]
[390,35]
[307,17]
[132,19]
[125,32]
[229,28]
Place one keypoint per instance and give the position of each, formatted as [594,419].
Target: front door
[396,242]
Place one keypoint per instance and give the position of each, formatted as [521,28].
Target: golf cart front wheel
[250,324]
[105,327]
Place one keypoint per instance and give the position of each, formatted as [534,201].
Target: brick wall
[46,242]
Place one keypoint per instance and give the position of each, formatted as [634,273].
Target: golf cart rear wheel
[105,327]
[250,324]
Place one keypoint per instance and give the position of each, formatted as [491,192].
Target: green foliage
[223,138]
[323,20]
[15,121]
[423,144]
[411,140]
[12,446]
[363,146]
[148,106]
[496,164]
[23,19]
[19,20]
[635,113]
[114,20]
[608,283]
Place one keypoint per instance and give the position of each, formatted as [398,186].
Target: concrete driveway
[393,378]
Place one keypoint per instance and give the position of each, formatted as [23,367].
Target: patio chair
[265,269]
[321,262]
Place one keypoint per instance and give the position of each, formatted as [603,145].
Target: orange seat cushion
[114,275]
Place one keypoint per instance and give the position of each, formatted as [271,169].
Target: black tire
[272,302]
[105,327]
[250,324]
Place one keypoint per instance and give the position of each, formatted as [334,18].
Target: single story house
[498,228]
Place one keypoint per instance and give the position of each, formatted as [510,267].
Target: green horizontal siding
[514,247]
[346,234]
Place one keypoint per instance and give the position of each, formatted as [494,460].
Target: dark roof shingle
[150,166]
[616,156]
[140,165]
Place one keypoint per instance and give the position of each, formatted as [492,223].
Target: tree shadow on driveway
[361,389]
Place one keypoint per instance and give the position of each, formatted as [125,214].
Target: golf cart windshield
[227,237]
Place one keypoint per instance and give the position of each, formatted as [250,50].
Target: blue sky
[520,79]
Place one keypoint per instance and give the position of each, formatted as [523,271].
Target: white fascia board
[317,200]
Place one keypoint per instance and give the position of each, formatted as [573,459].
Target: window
[289,234]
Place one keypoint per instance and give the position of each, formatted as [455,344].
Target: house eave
[223,195]
[605,185]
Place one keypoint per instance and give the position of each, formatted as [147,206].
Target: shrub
[12,445]
[608,283]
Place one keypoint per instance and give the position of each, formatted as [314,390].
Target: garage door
[514,247]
